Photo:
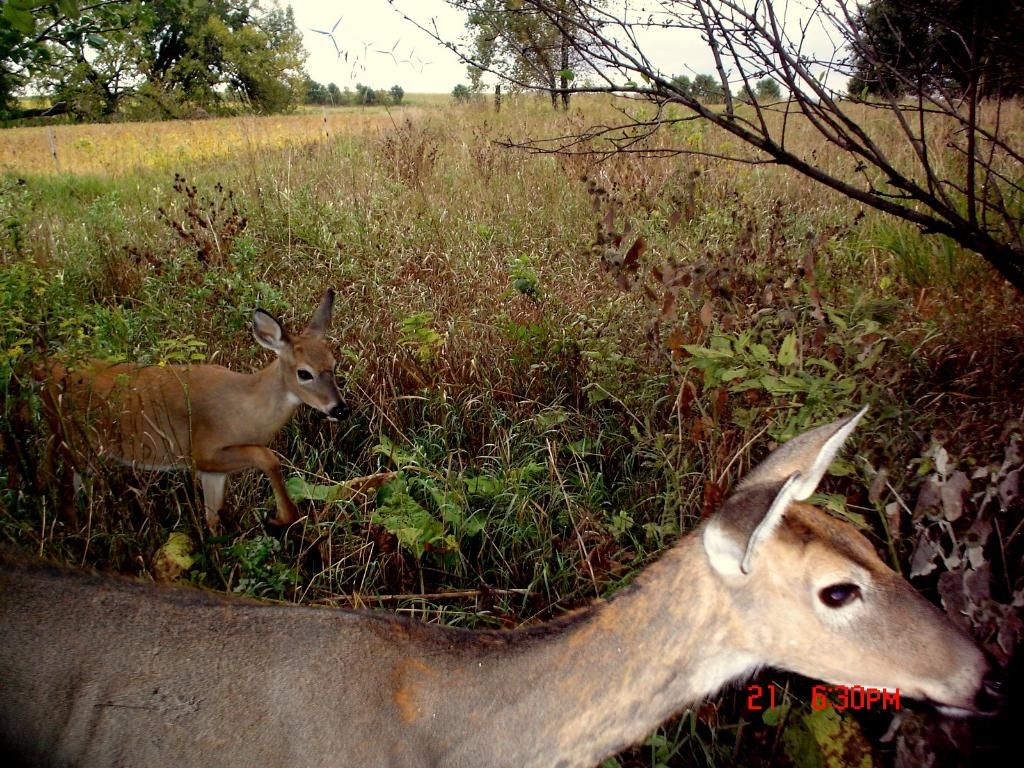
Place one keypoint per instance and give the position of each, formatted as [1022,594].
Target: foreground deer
[201,416]
[100,671]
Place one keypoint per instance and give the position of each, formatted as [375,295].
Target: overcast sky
[367,41]
[372,44]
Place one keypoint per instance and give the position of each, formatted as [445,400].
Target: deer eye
[304,375]
[838,595]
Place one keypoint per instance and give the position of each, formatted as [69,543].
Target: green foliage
[765,91]
[524,277]
[940,47]
[462,94]
[22,287]
[153,59]
[418,335]
[524,47]
[821,378]
[262,572]
[683,83]
[707,88]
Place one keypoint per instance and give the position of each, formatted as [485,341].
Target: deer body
[101,671]
[203,416]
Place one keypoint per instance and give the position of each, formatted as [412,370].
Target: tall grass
[554,414]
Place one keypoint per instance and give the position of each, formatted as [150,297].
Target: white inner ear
[772,518]
[723,551]
[267,331]
[809,481]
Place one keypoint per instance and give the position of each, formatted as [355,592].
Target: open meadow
[568,362]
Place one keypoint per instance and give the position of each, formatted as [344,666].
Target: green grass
[556,420]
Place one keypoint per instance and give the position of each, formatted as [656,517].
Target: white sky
[372,44]
[383,49]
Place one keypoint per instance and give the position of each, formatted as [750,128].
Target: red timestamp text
[854,697]
[840,697]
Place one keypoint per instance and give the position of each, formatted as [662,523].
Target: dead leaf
[878,483]
[707,314]
[922,562]
[632,258]
[977,583]
[713,494]
[1009,489]
[952,493]
[675,340]
[929,497]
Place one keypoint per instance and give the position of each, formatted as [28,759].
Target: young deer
[201,416]
[100,671]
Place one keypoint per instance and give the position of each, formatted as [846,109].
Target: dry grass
[120,149]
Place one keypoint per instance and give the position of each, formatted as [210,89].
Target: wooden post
[53,147]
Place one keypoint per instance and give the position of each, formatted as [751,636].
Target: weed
[209,225]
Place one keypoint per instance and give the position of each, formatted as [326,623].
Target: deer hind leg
[213,484]
[235,457]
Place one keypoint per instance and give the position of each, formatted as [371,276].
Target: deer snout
[339,411]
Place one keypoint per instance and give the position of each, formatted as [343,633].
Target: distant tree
[365,95]
[462,93]
[683,83]
[708,89]
[315,93]
[524,44]
[397,93]
[335,97]
[946,47]
[767,90]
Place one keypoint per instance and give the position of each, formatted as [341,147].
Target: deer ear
[322,317]
[790,473]
[268,331]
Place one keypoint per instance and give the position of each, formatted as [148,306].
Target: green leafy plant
[262,571]
[418,336]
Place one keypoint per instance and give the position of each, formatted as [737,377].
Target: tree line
[363,95]
[133,59]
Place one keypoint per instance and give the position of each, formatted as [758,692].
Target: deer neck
[593,683]
[271,396]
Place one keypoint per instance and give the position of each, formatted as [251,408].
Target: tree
[397,93]
[683,83]
[95,58]
[958,172]
[462,93]
[950,46]
[315,93]
[525,44]
[707,89]
[191,48]
[51,44]
[767,90]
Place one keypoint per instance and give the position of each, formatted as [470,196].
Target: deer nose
[339,411]
[992,694]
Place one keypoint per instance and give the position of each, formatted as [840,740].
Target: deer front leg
[213,497]
[235,457]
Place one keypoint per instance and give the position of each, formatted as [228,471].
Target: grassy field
[557,414]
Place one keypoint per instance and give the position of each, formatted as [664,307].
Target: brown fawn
[101,671]
[204,417]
